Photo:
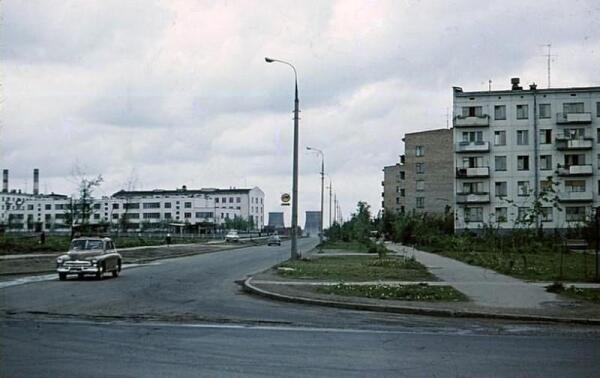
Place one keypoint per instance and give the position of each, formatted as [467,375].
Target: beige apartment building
[423,179]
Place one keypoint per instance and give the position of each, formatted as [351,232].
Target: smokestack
[36,181]
[5,181]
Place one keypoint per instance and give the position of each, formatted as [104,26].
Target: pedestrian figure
[168,239]
[43,238]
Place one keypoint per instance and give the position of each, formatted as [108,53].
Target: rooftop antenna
[490,85]
[549,57]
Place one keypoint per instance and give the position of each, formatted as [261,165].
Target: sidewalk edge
[250,288]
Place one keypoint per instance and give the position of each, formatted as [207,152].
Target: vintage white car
[89,255]
[232,236]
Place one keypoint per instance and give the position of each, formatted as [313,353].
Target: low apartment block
[512,145]
[423,179]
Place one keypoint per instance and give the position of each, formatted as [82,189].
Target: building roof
[458,91]
[181,191]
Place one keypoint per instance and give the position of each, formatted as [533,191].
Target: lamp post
[294,249]
[322,187]
[330,187]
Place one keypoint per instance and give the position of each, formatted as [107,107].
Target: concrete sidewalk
[484,287]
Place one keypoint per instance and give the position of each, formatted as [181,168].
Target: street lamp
[322,178]
[294,250]
[330,187]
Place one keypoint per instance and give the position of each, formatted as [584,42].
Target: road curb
[248,287]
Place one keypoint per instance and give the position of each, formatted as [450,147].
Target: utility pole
[334,208]
[330,187]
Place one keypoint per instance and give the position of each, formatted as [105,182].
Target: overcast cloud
[178,93]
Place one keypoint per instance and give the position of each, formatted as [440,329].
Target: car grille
[77,264]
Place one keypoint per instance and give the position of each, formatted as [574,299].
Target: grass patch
[31,244]
[350,246]
[532,266]
[357,268]
[405,293]
[586,294]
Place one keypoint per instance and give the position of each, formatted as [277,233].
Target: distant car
[274,240]
[232,237]
[90,255]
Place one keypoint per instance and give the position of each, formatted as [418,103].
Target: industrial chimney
[36,181]
[5,181]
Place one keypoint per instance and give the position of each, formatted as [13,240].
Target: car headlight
[59,261]
[94,261]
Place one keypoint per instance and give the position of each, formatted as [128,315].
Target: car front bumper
[90,269]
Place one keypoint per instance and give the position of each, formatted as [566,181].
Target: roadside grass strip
[586,294]
[419,292]
[545,266]
[351,246]
[356,268]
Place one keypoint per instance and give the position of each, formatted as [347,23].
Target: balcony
[568,144]
[472,121]
[473,172]
[576,170]
[478,146]
[472,198]
[575,196]
[573,118]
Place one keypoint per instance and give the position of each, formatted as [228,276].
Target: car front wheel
[100,272]
[62,276]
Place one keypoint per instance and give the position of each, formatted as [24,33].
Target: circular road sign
[285,198]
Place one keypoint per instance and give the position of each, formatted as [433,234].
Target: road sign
[285,198]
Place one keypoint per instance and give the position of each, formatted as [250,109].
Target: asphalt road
[188,318]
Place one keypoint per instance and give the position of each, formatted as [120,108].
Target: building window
[238,200]
[115,216]
[474,214]
[420,185]
[598,109]
[472,111]
[522,137]
[472,187]
[523,188]
[472,136]
[575,186]
[132,205]
[402,193]
[573,107]
[216,199]
[204,215]
[500,163]
[523,213]
[501,214]
[187,205]
[501,189]
[523,163]
[230,199]
[472,162]
[151,205]
[546,136]
[546,214]
[545,162]
[575,214]
[187,215]
[420,168]
[419,151]
[167,215]
[420,202]
[167,205]
[522,111]
[397,200]
[500,112]
[500,138]
[545,111]
[48,207]
[402,175]
[151,215]
[546,185]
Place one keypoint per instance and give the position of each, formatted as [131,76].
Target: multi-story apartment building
[202,207]
[394,189]
[422,181]
[512,145]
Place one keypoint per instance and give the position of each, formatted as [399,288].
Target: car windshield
[85,245]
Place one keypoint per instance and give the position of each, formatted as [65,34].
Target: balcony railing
[471,198]
[565,143]
[586,196]
[472,121]
[569,118]
[479,146]
[576,170]
[473,172]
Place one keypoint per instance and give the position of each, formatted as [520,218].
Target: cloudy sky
[167,93]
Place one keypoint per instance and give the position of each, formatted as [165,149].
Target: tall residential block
[513,145]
